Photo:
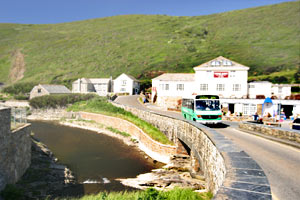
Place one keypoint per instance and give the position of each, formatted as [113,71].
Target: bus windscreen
[207,105]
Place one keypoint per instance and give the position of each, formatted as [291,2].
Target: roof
[268,100]
[129,76]
[56,89]
[176,77]
[99,80]
[221,62]
[132,77]
[259,82]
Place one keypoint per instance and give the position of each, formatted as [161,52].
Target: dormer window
[227,63]
[215,63]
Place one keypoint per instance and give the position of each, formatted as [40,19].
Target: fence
[18,117]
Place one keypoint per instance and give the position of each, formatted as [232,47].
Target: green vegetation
[149,194]
[264,38]
[118,132]
[58,101]
[100,105]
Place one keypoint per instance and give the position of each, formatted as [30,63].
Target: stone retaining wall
[15,149]
[229,172]
[280,133]
[211,161]
[154,149]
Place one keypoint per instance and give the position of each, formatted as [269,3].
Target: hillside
[264,38]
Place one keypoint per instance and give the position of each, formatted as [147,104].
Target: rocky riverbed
[175,174]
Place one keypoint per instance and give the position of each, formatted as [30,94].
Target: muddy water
[96,159]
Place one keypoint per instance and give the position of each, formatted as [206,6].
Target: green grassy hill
[264,38]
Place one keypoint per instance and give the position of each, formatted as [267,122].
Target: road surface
[280,162]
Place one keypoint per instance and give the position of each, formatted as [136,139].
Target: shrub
[19,88]
[58,101]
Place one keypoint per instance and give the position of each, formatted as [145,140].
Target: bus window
[207,105]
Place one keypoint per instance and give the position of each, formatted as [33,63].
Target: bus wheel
[194,119]
[184,116]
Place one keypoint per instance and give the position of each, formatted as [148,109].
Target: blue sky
[59,11]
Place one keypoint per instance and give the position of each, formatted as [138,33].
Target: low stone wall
[50,114]
[280,133]
[153,148]
[15,149]
[229,172]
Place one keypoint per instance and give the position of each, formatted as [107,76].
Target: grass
[100,105]
[264,38]
[118,132]
[149,194]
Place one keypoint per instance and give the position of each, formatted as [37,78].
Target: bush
[58,101]
[19,88]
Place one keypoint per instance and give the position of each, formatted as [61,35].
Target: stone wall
[211,161]
[15,149]
[154,149]
[280,133]
[229,172]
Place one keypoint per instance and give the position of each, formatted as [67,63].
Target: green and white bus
[202,108]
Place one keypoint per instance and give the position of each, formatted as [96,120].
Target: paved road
[281,163]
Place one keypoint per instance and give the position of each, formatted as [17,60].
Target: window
[249,109]
[203,87]
[227,63]
[164,86]
[180,87]
[279,89]
[251,86]
[236,87]
[39,90]
[220,87]
[122,90]
[215,63]
[124,82]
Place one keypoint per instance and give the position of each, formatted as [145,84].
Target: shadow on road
[219,125]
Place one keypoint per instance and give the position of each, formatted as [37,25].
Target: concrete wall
[280,133]
[154,149]
[15,150]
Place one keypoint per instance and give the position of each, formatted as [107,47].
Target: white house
[264,89]
[101,86]
[259,89]
[281,91]
[168,88]
[222,77]
[219,76]
[126,84]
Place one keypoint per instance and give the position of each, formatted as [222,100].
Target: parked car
[296,124]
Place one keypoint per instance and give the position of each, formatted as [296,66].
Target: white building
[222,77]
[168,88]
[219,76]
[101,86]
[264,89]
[126,84]
[259,89]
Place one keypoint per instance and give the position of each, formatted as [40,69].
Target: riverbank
[45,178]
[175,174]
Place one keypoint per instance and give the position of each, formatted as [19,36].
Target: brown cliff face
[18,67]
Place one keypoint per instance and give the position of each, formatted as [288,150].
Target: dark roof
[56,89]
